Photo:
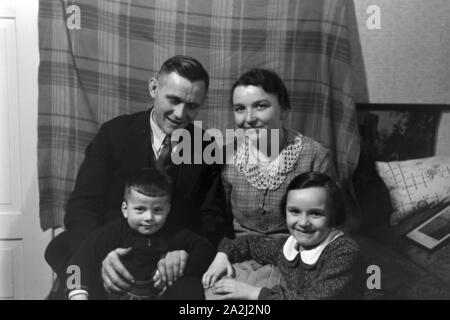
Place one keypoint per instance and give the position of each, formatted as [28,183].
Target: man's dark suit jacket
[121,147]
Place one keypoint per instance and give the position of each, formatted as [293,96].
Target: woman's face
[254,108]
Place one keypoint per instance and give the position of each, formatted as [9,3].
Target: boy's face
[308,215]
[145,214]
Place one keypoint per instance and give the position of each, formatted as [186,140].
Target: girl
[317,261]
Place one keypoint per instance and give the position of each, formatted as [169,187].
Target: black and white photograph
[224,154]
[433,231]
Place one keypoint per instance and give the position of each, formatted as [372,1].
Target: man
[128,143]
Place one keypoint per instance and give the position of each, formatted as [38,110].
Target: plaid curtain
[97,57]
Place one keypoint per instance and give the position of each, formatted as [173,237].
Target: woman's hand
[217,269]
[231,289]
[172,266]
[159,285]
[115,277]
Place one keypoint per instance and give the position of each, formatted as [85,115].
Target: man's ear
[153,87]
[205,96]
[124,209]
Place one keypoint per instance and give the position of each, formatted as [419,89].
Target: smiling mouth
[305,231]
[248,128]
[177,123]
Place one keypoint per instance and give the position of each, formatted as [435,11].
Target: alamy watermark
[221,148]
[374,280]
[374,20]
[73,20]
[73,280]
[73,17]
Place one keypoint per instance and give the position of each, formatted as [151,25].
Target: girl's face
[254,108]
[308,215]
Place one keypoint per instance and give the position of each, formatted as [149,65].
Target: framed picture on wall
[434,231]
[396,132]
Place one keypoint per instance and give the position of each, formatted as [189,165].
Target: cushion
[389,133]
[415,184]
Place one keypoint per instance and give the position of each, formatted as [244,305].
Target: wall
[408,59]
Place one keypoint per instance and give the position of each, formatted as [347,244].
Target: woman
[256,180]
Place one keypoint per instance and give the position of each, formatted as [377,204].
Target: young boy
[145,207]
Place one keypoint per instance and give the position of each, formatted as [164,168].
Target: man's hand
[115,277]
[172,266]
[231,289]
[217,269]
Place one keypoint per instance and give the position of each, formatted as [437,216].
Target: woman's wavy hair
[269,81]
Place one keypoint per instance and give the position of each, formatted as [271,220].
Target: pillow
[415,184]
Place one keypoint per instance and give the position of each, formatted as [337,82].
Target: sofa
[391,136]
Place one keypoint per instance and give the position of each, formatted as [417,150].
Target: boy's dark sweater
[141,261]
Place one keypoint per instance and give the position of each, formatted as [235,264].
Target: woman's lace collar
[272,177]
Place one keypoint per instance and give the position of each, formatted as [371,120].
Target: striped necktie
[163,161]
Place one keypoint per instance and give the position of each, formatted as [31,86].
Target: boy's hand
[231,289]
[115,277]
[172,266]
[217,269]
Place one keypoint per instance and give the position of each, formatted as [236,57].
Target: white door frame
[30,275]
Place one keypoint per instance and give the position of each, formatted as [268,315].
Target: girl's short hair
[269,81]
[318,179]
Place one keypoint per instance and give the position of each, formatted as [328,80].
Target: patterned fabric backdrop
[97,56]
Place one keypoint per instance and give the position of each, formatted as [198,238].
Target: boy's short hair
[150,182]
[320,180]
[187,67]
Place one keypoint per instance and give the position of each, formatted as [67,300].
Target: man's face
[177,100]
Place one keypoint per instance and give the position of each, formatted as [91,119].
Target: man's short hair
[187,67]
[150,182]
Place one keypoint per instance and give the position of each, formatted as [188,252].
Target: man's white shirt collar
[157,135]
[291,248]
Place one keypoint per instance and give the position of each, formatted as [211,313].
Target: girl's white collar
[291,248]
